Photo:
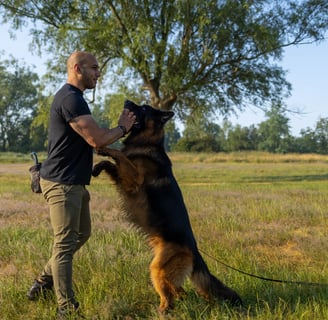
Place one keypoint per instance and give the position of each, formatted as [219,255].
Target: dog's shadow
[260,299]
[278,300]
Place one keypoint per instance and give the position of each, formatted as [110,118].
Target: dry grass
[265,215]
[250,157]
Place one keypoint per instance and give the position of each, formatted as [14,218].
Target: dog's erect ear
[166,115]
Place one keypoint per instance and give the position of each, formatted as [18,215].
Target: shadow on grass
[266,179]
[285,299]
[262,300]
[272,301]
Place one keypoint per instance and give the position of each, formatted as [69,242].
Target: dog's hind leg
[171,265]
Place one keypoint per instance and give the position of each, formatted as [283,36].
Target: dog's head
[148,119]
[149,126]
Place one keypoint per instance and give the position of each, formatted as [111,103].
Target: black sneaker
[70,312]
[39,288]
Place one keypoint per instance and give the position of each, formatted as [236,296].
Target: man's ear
[77,68]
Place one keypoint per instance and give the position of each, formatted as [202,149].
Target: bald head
[82,70]
[80,58]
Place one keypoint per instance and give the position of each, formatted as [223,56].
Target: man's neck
[75,83]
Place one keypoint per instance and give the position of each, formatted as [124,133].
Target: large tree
[216,55]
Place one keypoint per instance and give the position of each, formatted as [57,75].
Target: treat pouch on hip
[35,174]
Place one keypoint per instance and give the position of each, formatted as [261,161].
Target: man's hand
[127,119]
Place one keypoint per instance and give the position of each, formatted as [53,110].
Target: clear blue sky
[307,67]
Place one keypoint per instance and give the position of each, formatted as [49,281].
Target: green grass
[264,214]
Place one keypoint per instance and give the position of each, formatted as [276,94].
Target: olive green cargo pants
[71,224]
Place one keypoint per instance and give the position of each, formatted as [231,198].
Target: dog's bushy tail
[209,286]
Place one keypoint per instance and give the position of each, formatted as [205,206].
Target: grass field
[264,214]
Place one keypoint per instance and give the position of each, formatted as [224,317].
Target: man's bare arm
[97,137]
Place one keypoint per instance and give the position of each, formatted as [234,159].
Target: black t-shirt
[69,155]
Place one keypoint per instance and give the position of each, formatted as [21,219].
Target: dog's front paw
[96,170]
[107,166]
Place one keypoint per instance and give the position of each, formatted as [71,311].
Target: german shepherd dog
[152,201]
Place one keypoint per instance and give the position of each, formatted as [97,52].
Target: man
[73,133]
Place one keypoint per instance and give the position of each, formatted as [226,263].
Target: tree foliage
[216,55]
[200,135]
[274,132]
[18,100]
[242,138]
[24,122]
